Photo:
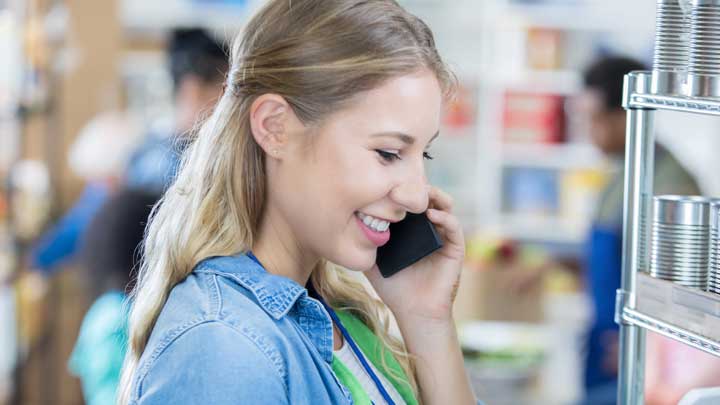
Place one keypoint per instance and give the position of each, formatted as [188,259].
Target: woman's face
[366,160]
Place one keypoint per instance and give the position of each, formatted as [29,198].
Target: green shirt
[373,349]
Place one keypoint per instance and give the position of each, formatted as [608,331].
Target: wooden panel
[91,84]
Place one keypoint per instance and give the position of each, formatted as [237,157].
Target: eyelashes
[388,156]
[391,157]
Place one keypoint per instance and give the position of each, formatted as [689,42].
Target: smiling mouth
[376,224]
[377,231]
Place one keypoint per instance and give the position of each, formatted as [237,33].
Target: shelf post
[639,160]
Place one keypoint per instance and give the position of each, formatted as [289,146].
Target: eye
[427,156]
[388,156]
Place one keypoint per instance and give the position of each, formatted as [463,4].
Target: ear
[270,116]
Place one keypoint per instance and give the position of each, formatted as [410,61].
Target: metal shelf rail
[645,303]
[685,314]
[650,323]
[675,103]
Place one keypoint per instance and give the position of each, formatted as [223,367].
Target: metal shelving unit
[644,303]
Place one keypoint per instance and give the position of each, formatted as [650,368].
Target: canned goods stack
[672,51]
[680,240]
[703,78]
[714,277]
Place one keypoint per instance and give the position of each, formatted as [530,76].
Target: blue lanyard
[349,340]
[255,259]
[358,353]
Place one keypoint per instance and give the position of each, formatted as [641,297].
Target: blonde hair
[318,55]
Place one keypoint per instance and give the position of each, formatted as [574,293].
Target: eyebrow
[408,139]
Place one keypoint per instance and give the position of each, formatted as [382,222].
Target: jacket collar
[275,294]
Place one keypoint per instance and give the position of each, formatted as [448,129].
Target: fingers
[449,225]
[440,213]
[440,200]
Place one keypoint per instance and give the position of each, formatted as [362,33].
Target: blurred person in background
[198,65]
[109,152]
[99,156]
[109,253]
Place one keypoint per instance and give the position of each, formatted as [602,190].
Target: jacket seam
[218,314]
[181,330]
[273,308]
[211,293]
[166,341]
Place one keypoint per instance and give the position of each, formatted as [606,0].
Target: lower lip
[377,238]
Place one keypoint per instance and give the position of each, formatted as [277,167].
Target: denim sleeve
[212,363]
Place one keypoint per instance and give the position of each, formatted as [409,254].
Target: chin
[360,260]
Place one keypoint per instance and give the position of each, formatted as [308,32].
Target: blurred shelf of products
[28,170]
[142,18]
[522,338]
[50,92]
[9,138]
[544,173]
[538,179]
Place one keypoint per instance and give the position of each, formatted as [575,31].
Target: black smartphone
[410,240]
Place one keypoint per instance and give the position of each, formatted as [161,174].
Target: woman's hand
[421,298]
[425,291]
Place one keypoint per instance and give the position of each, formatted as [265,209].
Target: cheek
[363,181]
[339,179]
[328,184]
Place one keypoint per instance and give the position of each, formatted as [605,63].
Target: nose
[412,193]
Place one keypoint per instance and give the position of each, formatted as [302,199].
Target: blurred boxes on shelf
[460,114]
[530,191]
[564,199]
[544,48]
[579,191]
[500,282]
[485,289]
[530,117]
[483,295]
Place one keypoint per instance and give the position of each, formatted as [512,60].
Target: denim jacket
[232,333]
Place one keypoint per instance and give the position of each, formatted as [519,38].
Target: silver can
[680,241]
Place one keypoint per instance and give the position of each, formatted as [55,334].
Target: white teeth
[368,221]
[375,224]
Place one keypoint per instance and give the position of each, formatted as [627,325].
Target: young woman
[246,294]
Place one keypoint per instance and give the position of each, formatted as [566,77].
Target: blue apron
[604,264]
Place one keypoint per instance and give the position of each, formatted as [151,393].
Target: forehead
[409,104]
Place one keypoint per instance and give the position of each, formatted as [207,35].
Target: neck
[280,252]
